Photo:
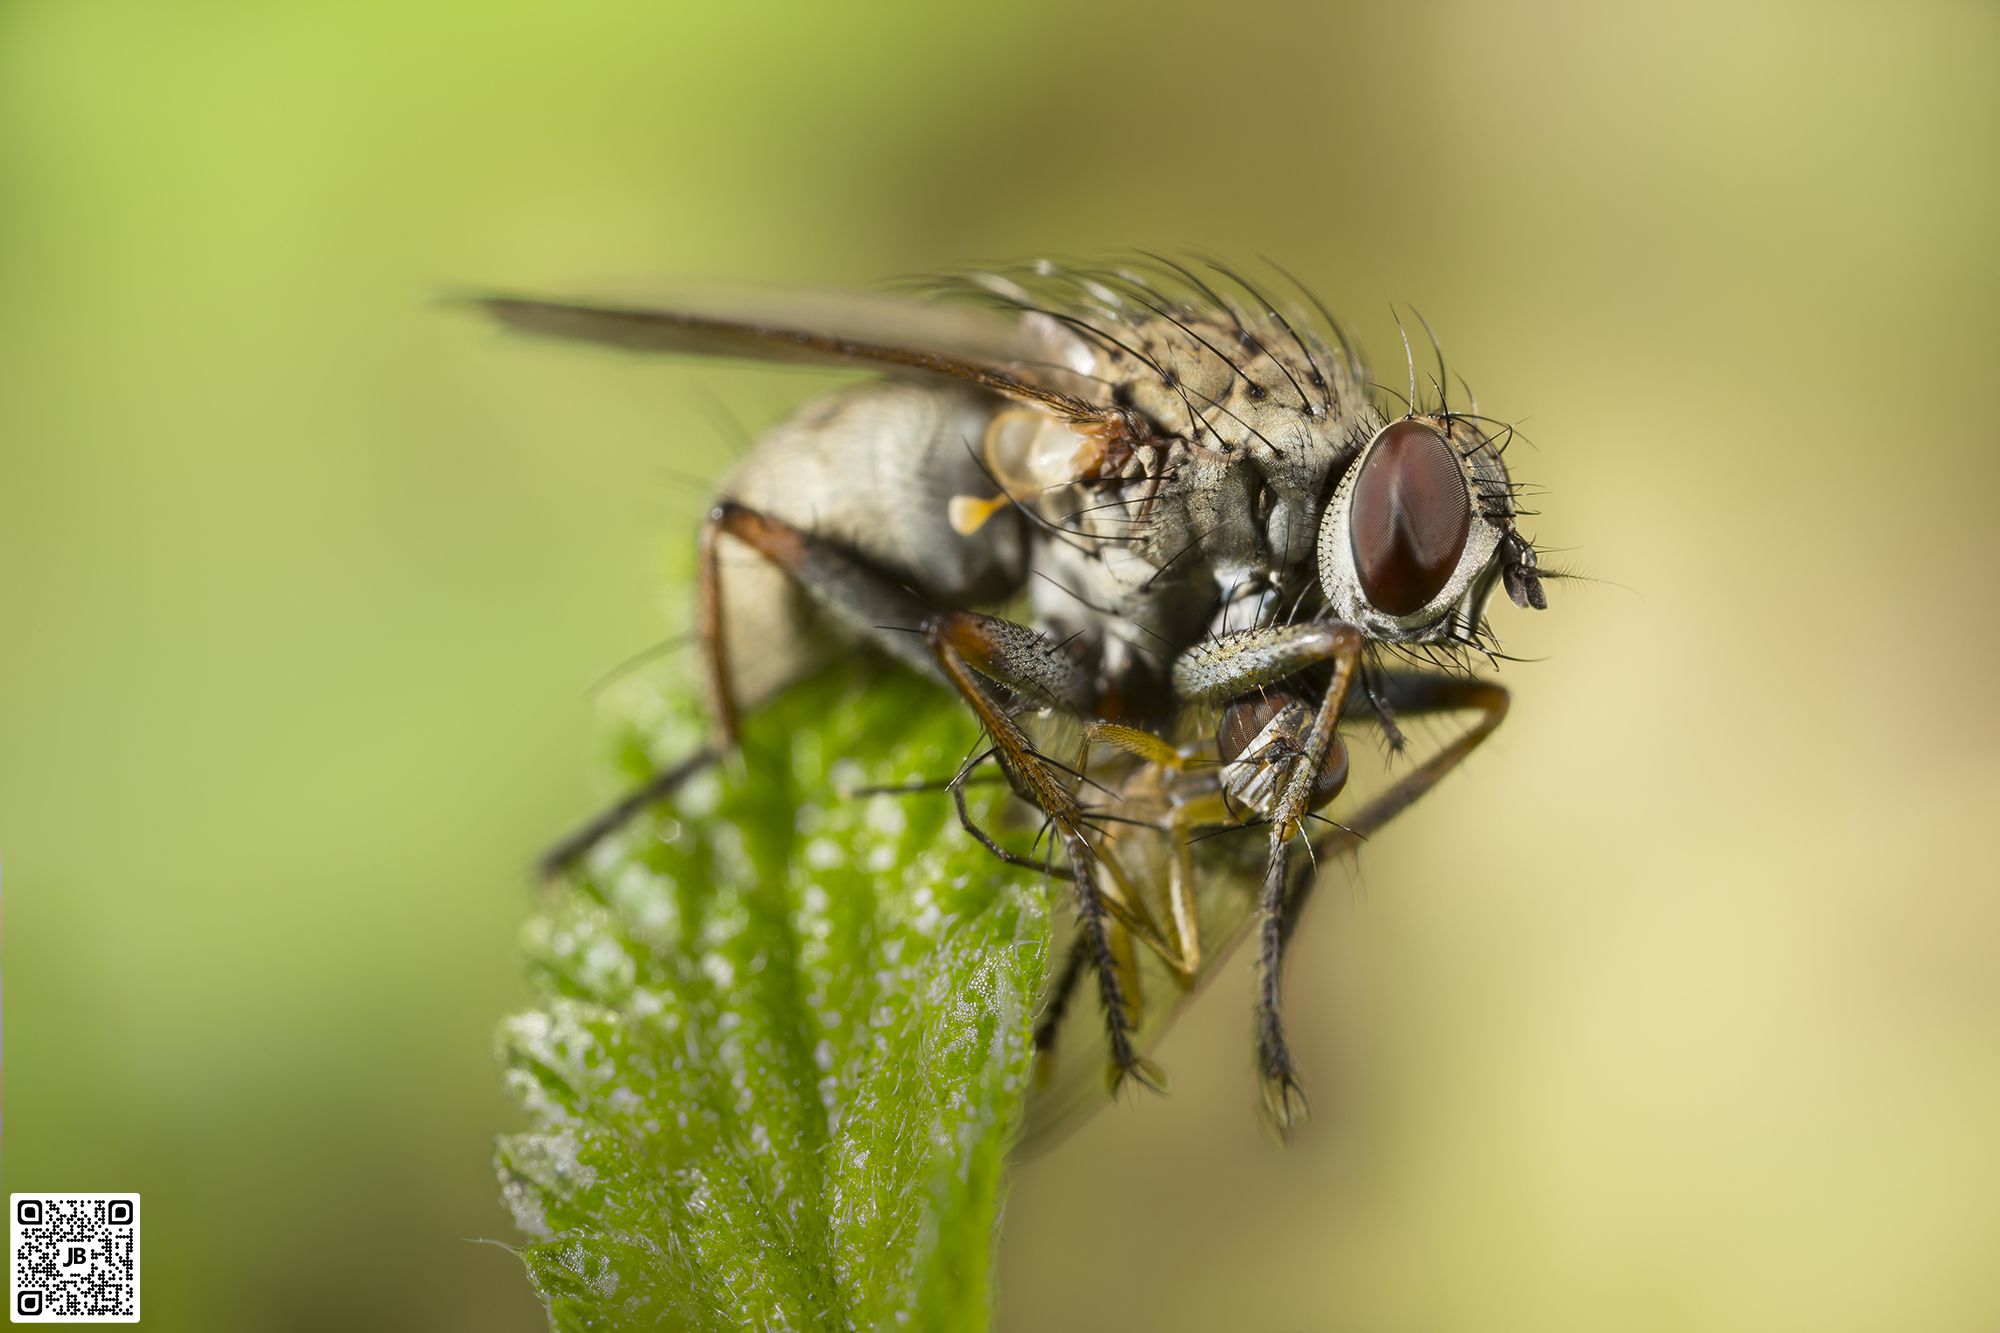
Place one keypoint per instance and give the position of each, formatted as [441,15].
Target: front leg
[1228,668]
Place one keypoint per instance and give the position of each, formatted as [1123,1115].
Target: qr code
[74,1258]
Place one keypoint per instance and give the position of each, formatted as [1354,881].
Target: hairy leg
[1229,667]
[1036,669]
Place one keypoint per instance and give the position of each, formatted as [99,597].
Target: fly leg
[1182,947]
[957,787]
[1060,991]
[1179,947]
[1130,921]
[1412,693]
[566,854]
[951,645]
[1227,668]
[577,844]
[1030,665]
[1127,920]
[850,592]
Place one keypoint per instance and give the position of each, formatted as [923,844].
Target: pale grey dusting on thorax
[1206,516]
[1255,434]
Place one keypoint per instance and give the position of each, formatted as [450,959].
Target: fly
[1216,552]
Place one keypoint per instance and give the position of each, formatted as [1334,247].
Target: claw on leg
[1284,1101]
[1148,1074]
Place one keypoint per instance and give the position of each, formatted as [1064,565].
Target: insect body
[1215,549]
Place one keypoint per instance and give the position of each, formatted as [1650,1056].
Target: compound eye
[1410,518]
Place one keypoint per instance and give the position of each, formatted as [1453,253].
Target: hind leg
[849,592]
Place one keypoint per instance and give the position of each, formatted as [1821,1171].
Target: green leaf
[781,1043]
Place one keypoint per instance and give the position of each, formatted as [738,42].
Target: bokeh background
[1678,1009]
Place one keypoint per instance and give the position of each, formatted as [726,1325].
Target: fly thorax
[1289,523]
[1222,513]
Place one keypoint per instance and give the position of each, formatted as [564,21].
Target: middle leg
[1037,670]
[954,644]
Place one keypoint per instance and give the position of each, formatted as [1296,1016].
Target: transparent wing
[1033,361]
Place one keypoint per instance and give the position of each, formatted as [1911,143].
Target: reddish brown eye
[1410,518]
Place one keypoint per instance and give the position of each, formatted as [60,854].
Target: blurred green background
[1678,1009]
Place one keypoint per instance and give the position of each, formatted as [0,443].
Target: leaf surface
[781,1038]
